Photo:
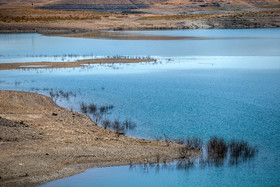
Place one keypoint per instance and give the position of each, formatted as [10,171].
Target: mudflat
[41,142]
[76,64]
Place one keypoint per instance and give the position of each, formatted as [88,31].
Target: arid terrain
[40,142]
[86,16]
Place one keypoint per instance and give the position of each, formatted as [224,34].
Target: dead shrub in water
[60,94]
[105,109]
[240,150]
[92,108]
[185,164]
[217,147]
[116,126]
[106,123]
[129,125]
[122,127]
[83,107]
[98,114]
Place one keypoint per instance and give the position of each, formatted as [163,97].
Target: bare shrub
[240,149]
[185,164]
[217,147]
[129,125]
[105,109]
[92,108]
[83,107]
[106,123]
[116,126]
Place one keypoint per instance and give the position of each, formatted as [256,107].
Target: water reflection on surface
[229,88]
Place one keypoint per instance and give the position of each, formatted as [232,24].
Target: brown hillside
[135,4]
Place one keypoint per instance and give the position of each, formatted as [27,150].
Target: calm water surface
[227,86]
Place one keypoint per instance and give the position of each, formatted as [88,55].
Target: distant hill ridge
[123,5]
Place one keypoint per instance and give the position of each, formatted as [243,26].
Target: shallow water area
[224,87]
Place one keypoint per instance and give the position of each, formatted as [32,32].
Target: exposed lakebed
[224,87]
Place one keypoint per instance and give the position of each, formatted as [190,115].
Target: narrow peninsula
[41,142]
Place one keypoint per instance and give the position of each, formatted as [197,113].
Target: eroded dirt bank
[40,142]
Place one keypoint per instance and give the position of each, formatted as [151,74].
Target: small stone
[54,114]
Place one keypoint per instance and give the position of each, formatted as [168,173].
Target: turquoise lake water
[224,84]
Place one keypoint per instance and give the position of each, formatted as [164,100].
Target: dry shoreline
[76,64]
[41,142]
[30,20]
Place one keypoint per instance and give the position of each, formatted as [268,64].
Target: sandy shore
[41,142]
[79,63]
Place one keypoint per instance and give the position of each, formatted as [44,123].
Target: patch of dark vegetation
[84,108]
[129,125]
[105,109]
[55,95]
[120,127]
[216,152]
[217,147]
[92,108]
[61,94]
[185,164]
[106,123]
[98,114]
[220,152]
[241,150]
[95,109]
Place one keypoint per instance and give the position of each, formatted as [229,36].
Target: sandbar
[76,64]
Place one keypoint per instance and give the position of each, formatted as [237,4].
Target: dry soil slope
[134,4]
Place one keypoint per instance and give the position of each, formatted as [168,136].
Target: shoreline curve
[41,142]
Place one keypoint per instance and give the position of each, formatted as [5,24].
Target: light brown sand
[79,63]
[40,142]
